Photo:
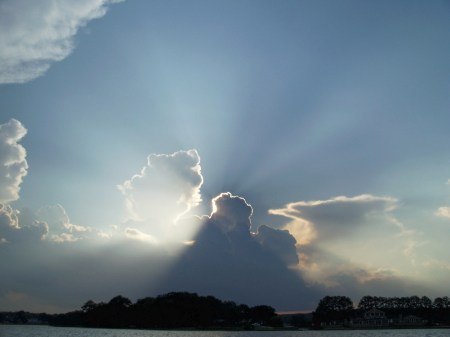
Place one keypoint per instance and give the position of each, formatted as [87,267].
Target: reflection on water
[45,331]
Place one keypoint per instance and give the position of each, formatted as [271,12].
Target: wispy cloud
[35,34]
[136,234]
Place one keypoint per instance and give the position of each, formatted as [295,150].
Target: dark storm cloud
[229,261]
[279,242]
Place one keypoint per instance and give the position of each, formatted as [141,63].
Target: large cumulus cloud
[166,188]
[231,262]
[15,226]
[13,163]
[34,34]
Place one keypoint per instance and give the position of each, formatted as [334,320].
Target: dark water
[45,331]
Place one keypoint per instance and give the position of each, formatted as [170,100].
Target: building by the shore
[375,318]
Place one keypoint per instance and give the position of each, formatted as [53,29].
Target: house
[409,321]
[375,318]
[372,318]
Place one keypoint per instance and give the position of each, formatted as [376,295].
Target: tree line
[339,308]
[168,311]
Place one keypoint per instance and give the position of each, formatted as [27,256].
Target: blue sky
[329,118]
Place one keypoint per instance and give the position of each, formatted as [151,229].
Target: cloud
[35,34]
[443,212]
[279,242]
[136,234]
[231,213]
[13,164]
[166,188]
[55,215]
[333,218]
[17,227]
[50,223]
[60,228]
[338,241]
[231,262]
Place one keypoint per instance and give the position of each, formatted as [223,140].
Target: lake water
[45,331]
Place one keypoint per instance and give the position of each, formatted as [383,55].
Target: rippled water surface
[45,331]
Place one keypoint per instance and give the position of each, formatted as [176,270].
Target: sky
[260,151]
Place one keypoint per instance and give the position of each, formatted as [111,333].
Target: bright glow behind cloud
[34,34]
[166,188]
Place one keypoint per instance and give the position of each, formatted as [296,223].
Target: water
[45,331]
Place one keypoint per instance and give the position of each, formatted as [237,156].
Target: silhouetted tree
[262,314]
[89,306]
[334,304]
[425,302]
[333,308]
[172,310]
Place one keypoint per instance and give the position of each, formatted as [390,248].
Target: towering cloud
[229,261]
[34,34]
[13,164]
[231,213]
[168,186]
